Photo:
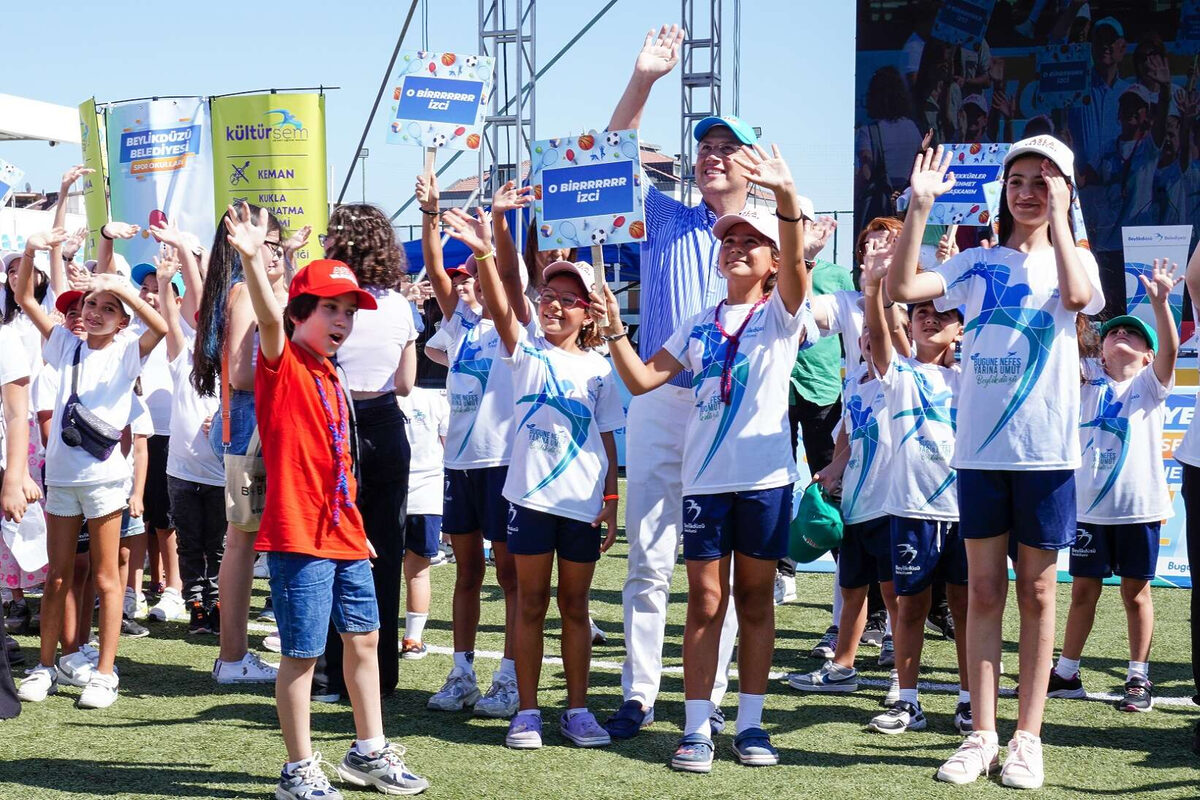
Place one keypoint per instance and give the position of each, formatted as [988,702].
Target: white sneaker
[170,607]
[75,669]
[438,559]
[1023,766]
[261,570]
[460,690]
[272,642]
[101,691]
[598,636]
[38,684]
[785,588]
[893,693]
[501,700]
[250,669]
[974,757]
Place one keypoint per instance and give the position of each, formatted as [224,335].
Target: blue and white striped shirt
[679,271]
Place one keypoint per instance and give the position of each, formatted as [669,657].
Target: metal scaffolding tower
[700,81]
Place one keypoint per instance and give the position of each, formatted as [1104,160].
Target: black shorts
[156,499]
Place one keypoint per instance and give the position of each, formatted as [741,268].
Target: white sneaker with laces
[1023,766]
[460,690]
[306,782]
[976,756]
[75,669]
[101,691]
[501,700]
[170,607]
[250,669]
[785,588]
[39,683]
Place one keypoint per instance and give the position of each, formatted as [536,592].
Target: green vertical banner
[95,186]
[269,150]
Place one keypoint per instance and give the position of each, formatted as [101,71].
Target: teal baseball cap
[744,133]
[140,271]
[816,528]
[1130,321]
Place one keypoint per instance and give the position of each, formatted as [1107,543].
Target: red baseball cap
[67,299]
[328,278]
[469,268]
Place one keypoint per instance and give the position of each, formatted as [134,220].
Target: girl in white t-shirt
[80,485]
[1187,453]
[738,462]
[562,480]
[1017,442]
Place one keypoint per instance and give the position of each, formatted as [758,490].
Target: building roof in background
[25,119]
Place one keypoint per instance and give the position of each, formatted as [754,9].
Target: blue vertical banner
[160,160]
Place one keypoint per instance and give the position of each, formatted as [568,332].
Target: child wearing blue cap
[1121,487]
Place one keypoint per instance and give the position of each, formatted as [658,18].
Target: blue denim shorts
[241,425]
[307,591]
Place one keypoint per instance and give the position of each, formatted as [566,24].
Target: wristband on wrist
[429,213]
[485,256]
[889,304]
[614,337]
[102,233]
[608,497]
[787,219]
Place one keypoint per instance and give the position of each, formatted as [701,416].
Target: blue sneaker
[628,720]
[716,722]
[693,754]
[524,732]
[384,769]
[829,678]
[754,749]
[583,730]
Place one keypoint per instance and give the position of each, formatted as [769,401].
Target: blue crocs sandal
[693,754]
[754,749]
[628,720]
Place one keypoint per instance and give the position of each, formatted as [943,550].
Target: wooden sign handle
[598,268]
[430,158]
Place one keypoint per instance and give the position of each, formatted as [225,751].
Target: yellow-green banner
[269,150]
[95,186]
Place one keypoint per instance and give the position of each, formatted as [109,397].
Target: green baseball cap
[816,528]
[1130,321]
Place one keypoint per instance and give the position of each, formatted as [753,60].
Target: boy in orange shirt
[311,529]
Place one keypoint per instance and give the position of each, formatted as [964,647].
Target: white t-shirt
[1188,450]
[30,336]
[743,445]
[428,423]
[564,401]
[479,388]
[864,418]
[920,412]
[191,457]
[140,424]
[371,353]
[1122,480]
[1020,385]
[845,316]
[13,367]
[156,382]
[106,380]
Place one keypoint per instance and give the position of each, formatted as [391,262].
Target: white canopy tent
[25,119]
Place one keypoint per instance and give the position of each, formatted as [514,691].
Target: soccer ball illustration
[599,236]
[612,139]
[957,217]
[471,61]
[438,140]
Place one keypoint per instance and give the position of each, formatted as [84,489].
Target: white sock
[414,625]
[910,696]
[366,746]
[887,626]
[508,668]
[575,712]
[990,737]
[1140,669]
[837,598]
[963,695]
[291,766]
[750,708]
[696,714]
[465,660]
[1066,668]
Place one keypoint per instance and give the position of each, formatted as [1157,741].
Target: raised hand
[1058,191]
[877,257]
[297,240]
[1159,70]
[78,278]
[1161,281]
[816,236]
[44,240]
[947,248]
[660,52]
[245,233]
[427,192]
[419,292]
[473,231]
[119,230]
[73,242]
[167,233]
[606,312]
[75,173]
[770,172]
[509,198]
[929,179]
[167,265]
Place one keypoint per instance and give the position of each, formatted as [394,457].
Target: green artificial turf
[175,733]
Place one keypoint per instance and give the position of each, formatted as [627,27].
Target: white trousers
[655,430]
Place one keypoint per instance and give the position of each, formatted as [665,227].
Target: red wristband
[608,497]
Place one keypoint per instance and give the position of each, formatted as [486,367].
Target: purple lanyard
[735,341]
[339,433]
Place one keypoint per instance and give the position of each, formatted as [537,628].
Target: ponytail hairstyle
[224,270]
[361,236]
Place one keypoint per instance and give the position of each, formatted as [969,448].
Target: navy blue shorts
[1130,551]
[1036,506]
[535,533]
[925,550]
[474,501]
[754,523]
[423,534]
[866,553]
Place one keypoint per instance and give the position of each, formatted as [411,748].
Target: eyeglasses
[725,150]
[275,248]
[565,299]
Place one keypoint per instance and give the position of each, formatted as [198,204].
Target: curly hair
[362,237]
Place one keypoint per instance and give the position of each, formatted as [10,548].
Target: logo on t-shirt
[1108,419]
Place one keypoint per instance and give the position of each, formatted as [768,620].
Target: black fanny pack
[82,428]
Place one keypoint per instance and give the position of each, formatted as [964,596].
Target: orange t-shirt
[302,475]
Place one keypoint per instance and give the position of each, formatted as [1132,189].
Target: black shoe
[131,629]
[1070,688]
[875,630]
[940,622]
[1138,695]
[15,657]
[198,619]
[214,617]
[18,618]
[964,723]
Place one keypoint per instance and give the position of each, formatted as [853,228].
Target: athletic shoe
[101,691]
[438,559]
[583,730]
[249,669]
[1070,688]
[272,642]
[887,652]
[38,684]
[413,649]
[524,732]
[629,720]
[170,608]
[941,622]
[828,644]
[75,669]
[1023,766]
[785,588]
[261,570]
[329,698]
[155,591]
[268,613]
[18,618]
[307,782]
[716,722]
[753,748]
[892,696]
[214,617]
[1138,695]
[459,690]
[901,717]
[198,622]
[974,757]
[875,630]
[598,636]
[132,629]
[92,652]
[501,700]
[694,753]
[829,678]
[384,769]
[964,723]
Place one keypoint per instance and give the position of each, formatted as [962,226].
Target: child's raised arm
[476,233]
[247,236]
[110,231]
[45,240]
[1074,288]
[928,182]
[1158,290]
[166,267]
[509,198]
[14,497]
[876,259]
[189,266]
[156,327]
[431,245]
[639,377]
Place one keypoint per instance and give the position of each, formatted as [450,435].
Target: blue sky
[797,72]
